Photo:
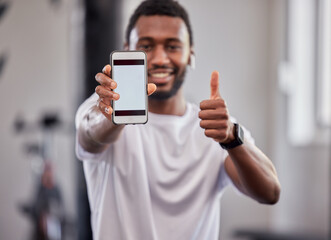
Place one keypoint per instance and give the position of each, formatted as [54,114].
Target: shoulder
[192,111]
[192,106]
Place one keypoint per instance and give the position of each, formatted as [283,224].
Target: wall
[36,80]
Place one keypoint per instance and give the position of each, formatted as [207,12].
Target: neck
[176,105]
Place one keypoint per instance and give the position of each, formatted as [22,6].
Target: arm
[95,129]
[96,132]
[251,171]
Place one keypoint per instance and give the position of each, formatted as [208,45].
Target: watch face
[240,133]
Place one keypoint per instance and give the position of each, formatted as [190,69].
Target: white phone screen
[129,75]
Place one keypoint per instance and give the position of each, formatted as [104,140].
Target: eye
[144,47]
[174,48]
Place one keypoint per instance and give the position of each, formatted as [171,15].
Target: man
[163,180]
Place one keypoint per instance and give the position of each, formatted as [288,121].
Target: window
[324,68]
[305,72]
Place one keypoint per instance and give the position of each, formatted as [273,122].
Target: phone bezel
[130,119]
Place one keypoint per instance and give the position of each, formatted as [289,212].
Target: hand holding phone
[107,91]
[130,74]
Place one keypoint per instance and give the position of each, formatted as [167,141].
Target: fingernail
[107,110]
[96,77]
[104,69]
[116,95]
[113,84]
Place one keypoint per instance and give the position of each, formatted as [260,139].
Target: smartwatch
[238,138]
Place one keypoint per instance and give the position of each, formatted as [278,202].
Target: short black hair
[159,7]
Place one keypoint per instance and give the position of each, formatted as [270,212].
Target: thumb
[214,86]
[151,88]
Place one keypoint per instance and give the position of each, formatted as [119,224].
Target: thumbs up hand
[214,114]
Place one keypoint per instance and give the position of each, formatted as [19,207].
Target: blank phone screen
[129,75]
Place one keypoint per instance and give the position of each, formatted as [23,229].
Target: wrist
[236,139]
[231,137]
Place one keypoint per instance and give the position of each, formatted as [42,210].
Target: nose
[159,56]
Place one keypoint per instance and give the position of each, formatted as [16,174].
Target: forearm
[249,169]
[256,175]
[96,132]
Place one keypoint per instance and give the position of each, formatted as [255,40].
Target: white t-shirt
[162,180]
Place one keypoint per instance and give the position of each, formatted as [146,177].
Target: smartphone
[129,71]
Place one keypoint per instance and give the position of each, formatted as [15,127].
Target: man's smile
[161,76]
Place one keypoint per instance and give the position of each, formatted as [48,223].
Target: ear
[191,60]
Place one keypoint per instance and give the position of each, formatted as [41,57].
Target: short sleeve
[84,108]
[224,179]
[81,153]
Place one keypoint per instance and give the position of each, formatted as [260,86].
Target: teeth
[160,75]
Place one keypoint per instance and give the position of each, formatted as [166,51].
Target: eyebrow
[152,39]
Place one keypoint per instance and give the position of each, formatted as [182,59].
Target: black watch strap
[239,138]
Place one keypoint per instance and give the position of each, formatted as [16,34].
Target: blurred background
[274,61]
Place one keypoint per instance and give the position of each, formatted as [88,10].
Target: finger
[151,88]
[106,93]
[214,86]
[214,124]
[105,109]
[105,81]
[106,70]
[212,104]
[104,101]
[219,140]
[216,134]
[213,114]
